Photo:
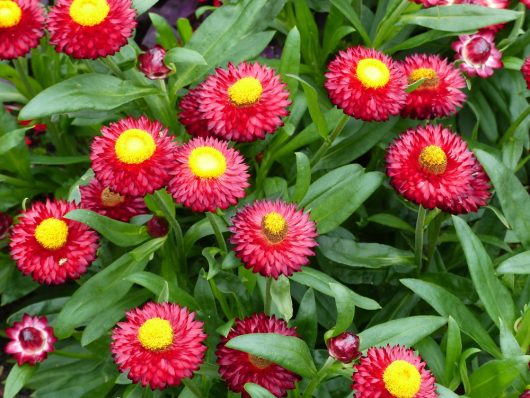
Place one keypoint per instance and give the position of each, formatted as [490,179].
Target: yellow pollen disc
[134,146]
[274,227]
[207,162]
[10,13]
[51,233]
[246,91]
[89,12]
[430,76]
[402,379]
[433,159]
[372,73]
[259,362]
[155,334]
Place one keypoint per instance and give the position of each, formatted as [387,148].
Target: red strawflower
[103,200]
[21,27]
[273,238]
[344,347]
[91,28]
[159,345]
[440,94]
[238,367]
[478,54]
[526,3]
[390,372]
[366,84]
[191,116]
[525,394]
[152,65]
[5,223]
[242,103]
[132,156]
[525,70]
[31,340]
[50,247]
[432,166]
[208,175]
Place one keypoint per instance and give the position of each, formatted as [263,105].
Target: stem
[327,144]
[433,232]
[511,131]
[21,67]
[218,235]
[418,241]
[320,376]
[268,297]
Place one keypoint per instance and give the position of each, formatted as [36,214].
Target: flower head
[393,372]
[241,103]
[525,70]
[525,394]
[440,94]
[208,175]
[132,156]
[191,115]
[238,368]
[103,200]
[152,65]
[21,27]
[273,238]
[344,347]
[50,247]
[159,345]
[366,84]
[31,340]
[432,166]
[478,54]
[91,28]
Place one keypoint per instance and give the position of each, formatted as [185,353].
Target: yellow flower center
[433,159]
[10,13]
[430,76]
[134,146]
[274,227]
[156,334]
[207,162]
[89,12]
[372,73]
[111,199]
[246,91]
[259,362]
[51,233]
[402,379]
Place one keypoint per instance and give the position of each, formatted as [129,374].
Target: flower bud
[5,224]
[157,227]
[151,63]
[344,347]
[525,394]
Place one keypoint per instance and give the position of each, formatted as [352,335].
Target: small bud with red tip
[344,347]
[151,63]
[157,227]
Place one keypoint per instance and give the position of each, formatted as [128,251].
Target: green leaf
[181,55]
[336,195]
[310,42]
[143,5]
[88,92]
[369,255]
[314,108]
[11,140]
[518,264]
[249,47]
[453,350]
[447,304]
[511,193]
[493,378]
[289,352]
[58,160]
[306,319]
[444,392]
[290,61]
[493,294]
[164,33]
[459,18]
[406,331]
[103,289]
[185,30]
[391,221]
[509,345]
[120,233]
[345,307]
[303,177]
[346,8]
[281,297]
[17,378]
[257,391]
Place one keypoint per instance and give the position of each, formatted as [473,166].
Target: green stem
[433,232]
[262,172]
[267,305]
[418,241]
[75,355]
[511,131]
[327,144]
[221,299]
[21,67]
[320,376]
[218,235]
